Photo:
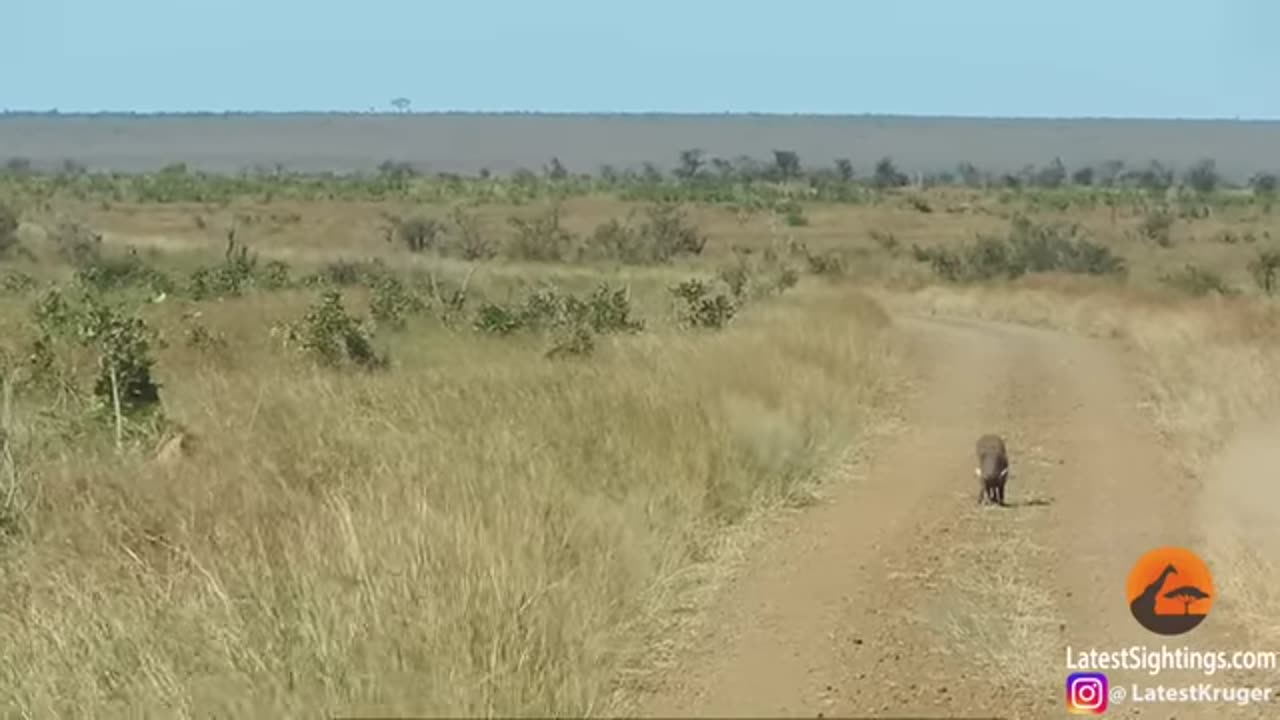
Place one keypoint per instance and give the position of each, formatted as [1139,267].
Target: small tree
[1264,185]
[1083,177]
[417,234]
[8,229]
[699,308]
[1052,175]
[1264,269]
[887,175]
[1203,176]
[124,387]
[844,169]
[690,164]
[969,174]
[723,168]
[556,170]
[331,335]
[1155,178]
[786,164]
[401,104]
[1109,172]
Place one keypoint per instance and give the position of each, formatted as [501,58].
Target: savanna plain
[661,443]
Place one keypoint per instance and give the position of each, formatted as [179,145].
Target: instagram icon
[1087,693]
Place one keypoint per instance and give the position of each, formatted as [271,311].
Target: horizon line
[56,113]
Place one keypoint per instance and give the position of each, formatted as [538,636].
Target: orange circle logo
[1170,591]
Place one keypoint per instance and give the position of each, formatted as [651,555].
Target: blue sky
[1115,58]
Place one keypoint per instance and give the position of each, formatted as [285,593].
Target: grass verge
[472,535]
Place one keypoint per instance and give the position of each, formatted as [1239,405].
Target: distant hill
[504,142]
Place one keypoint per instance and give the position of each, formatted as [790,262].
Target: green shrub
[1264,269]
[540,239]
[331,336]
[664,234]
[123,343]
[1027,248]
[699,307]
[1157,226]
[8,229]
[106,272]
[1195,280]
[16,282]
[392,302]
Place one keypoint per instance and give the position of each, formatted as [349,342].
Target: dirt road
[901,597]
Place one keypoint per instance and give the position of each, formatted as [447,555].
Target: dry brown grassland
[482,526]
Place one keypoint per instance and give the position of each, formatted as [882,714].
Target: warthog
[992,470]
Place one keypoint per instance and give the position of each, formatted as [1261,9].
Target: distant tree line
[695,167]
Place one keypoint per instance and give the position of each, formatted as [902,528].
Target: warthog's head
[991,474]
[990,469]
[993,465]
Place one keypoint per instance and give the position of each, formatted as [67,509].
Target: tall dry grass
[477,531]
[1211,372]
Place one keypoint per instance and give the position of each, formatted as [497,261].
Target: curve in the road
[903,597]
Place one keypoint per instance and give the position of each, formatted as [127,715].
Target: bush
[920,205]
[1264,269]
[946,264]
[332,336]
[1229,237]
[749,277]
[697,307]
[1157,227]
[1195,280]
[347,273]
[792,213]
[1203,176]
[8,229]
[887,242]
[16,282]
[618,241]
[605,311]
[468,241]
[828,264]
[495,319]
[1060,248]
[76,244]
[540,239]
[123,343]
[392,302]
[664,235]
[274,275]
[105,273]
[1028,247]
[199,337]
[417,234]
[668,229]
[238,272]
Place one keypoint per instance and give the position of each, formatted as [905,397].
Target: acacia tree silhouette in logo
[1187,594]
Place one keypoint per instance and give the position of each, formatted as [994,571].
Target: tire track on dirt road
[903,597]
